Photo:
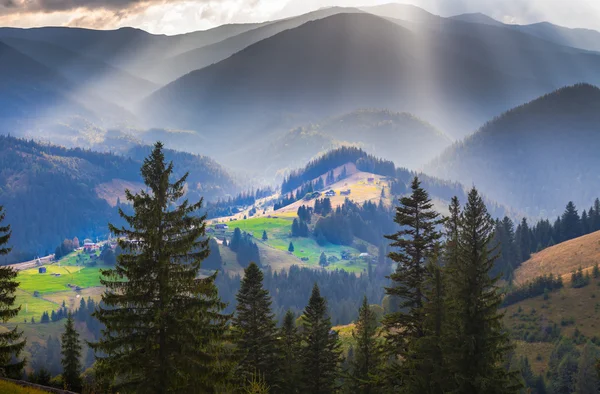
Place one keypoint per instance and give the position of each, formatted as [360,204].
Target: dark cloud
[48,6]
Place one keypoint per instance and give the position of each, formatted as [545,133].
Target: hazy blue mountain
[533,157]
[456,75]
[477,17]
[174,67]
[406,12]
[89,74]
[30,90]
[577,38]
[399,137]
[133,50]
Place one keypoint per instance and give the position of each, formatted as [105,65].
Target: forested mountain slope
[400,137]
[88,73]
[29,90]
[349,61]
[51,193]
[534,157]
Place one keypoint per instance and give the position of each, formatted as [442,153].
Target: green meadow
[279,237]
[31,280]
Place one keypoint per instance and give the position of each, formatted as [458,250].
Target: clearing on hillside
[561,259]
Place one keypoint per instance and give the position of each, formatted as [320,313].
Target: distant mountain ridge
[348,61]
[533,157]
[51,193]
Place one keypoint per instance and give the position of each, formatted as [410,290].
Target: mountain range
[51,193]
[457,75]
[533,157]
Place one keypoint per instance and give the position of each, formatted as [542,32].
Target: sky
[181,16]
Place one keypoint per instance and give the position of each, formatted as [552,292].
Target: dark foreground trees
[164,328]
[71,356]
[255,331]
[11,343]
[320,353]
[448,335]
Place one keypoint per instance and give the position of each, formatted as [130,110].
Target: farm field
[44,292]
[30,280]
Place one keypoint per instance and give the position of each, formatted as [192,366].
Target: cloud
[179,16]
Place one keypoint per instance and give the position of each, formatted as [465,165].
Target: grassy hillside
[7,387]
[274,251]
[561,259]
[44,292]
[537,323]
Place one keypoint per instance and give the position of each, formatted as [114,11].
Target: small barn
[42,270]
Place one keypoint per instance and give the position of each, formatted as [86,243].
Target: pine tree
[11,344]
[415,240]
[430,351]
[291,247]
[587,380]
[264,235]
[596,216]
[71,356]
[289,349]
[320,352]
[255,330]
[164,327]
[323,260]
[367,355]
[480,343]
[571,224]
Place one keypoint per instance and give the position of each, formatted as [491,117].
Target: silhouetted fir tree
[430,351]
[365,367]
[295,228]
[596,216]
[264,235]
[11,344]
[164,327]
[523,240]
[570,223]
[71,356]
[479,342]
[255,330]
[323,260]
[291,247]
[289,347]
[415,239]
[320,354]
[585,223]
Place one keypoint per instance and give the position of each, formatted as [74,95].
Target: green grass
[278,233]
[276,227]
[31,280]
[32,307]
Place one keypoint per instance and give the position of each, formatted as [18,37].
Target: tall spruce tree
[366,363]
[480,343]
[11,343]
[255,330]
[430,351]
[164,327]
[289,345]
[320,353]
[415,240]
[571,223]
[71,356]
